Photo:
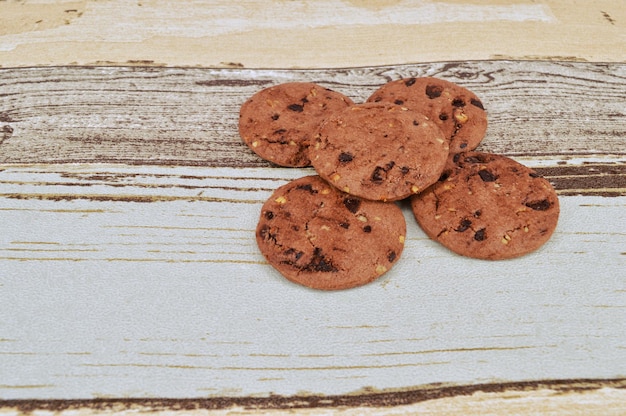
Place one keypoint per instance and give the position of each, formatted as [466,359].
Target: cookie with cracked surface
[379,151]
[322,238]
[457,111]
[488,206]
[277,122]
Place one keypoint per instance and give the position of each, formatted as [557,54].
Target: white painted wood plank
[172,299]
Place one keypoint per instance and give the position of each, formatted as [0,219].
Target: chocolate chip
[443,116]
[487,176]
[269,215]
[275,117]
[456,157]
[475,159]
[367,229]
[319,263]
[391,256]
[344,225]
[444,175]
[534,175]
[405,169]
[409,82]
[322,265]
[266,235]
[416,123]
[345,157]
[279,131]
[291,251]
[477,103]
[480,235]
[389,166]
[296,107]
[352,204]
[458,102]
[433,91]
[378,175]
[542,205]
[398,102]
[477,213]
[464,225]
[463,145]
[307,187]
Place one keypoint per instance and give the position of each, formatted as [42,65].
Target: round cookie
[456,110]
[379,151]
[278,122]
[488,207]
[322,238]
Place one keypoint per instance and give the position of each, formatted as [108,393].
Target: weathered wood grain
[572,397]
[128,266]
[84,314]
[189,116]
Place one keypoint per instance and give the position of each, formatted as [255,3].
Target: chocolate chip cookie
[456,110]
[488,206]
[379,151]
[322,238]
[278,122]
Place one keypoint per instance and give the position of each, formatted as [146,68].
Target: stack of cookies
[413,139]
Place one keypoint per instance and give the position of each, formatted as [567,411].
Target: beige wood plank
[309,34]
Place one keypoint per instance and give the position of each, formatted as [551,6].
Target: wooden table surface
[130,280]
